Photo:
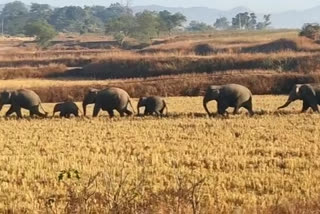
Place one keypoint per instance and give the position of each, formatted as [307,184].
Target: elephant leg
[96,110]
[312,103]
[35,110]
[222,107]
[315,108]
[305,107]
[236,110]
[76,113]
[121,113]
[16,109]
[158,113]
[18,112]
[161,111]
[129,113]
[61,114]
[111,113]
[248,106]
[10,111]
[67,115]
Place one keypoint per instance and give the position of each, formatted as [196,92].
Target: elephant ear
[5,96]
[93,90]
[298,86]
[306,91]
[141,100]
[215,92]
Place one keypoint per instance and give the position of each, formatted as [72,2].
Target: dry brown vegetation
[280,51]
[179,85]
[182,163]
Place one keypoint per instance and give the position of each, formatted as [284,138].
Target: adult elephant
[21,98]
[308,93]
[109,99]
[231,95]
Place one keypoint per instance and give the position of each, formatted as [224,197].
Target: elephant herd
[110,99]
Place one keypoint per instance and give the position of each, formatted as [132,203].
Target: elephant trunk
[205,101]
[286,104]
[289,101]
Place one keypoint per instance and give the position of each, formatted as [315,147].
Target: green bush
[42,31]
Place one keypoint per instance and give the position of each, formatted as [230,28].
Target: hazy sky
[256,5]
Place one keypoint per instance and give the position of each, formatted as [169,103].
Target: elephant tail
[45,112]
[166,107]
[129,101]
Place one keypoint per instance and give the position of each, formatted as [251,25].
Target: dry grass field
[183,163]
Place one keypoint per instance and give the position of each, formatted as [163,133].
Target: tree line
[44,21]
[16,15]
[242,21]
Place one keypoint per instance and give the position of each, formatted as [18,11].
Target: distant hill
[295,19]
[287,19]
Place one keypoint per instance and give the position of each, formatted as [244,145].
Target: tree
[241,21]
[252,22]
[311,31]
[199,26]
[222,23]
[121,27]
[41,30]
[267,21]
[40,11]
[260,26]
[117,10]
[69,19]
[168,21]
[113,11]
[14,9]
[147,25]
[14,16]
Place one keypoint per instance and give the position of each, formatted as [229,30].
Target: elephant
[230,95]
[21,98]
[108,100]
[152,104]
[66,109]
[308,93]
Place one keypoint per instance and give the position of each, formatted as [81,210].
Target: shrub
[311,30]
[203,49]
[42,31]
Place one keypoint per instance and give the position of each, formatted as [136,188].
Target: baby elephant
[153,104]
[66,109]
